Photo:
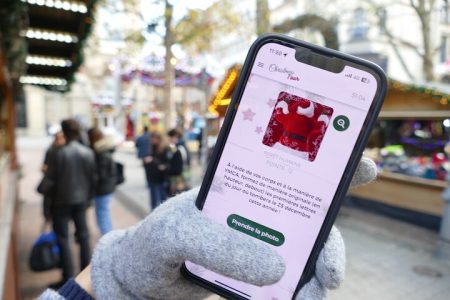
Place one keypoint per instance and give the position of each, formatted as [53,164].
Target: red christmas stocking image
[297,126]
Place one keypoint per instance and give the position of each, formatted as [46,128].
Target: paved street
[386,259]
[31,154]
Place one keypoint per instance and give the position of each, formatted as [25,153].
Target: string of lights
[58,4]
[56,36]
[222,98]
[442,97]
[48,61]
[42,80]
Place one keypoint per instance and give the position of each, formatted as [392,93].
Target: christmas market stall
[219,102]
[408,146]
[40,44]
[145,90]
[12,66]
[55,37]
[222,97]
[8,186]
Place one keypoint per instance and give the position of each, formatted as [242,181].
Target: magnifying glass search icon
[341,123]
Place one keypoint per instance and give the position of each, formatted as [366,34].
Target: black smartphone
[291,140]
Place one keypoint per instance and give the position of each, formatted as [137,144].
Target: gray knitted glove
[143,262]
[330,266]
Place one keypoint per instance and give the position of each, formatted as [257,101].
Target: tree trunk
[424,13]
[428,64]
[262,17]
[169,71]
[427,61]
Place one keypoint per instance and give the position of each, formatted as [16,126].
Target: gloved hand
[330,265]
[143,262]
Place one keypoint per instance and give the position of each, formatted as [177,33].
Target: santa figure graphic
[300,125]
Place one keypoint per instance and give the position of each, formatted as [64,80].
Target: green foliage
[196,30]
[13,20]
[132,36]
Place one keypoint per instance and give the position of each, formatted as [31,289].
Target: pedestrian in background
[200,144]
[45,186]
[179,164]
[143,144]
[143,149]
[106,172]
[72,172]
[157,165]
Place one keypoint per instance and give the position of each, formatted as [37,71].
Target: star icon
[248,115]
[271,102]
[258,129]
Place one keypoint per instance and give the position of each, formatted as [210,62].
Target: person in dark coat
[143,148]
[58,142]
[143,144]
[179,165]
[157,165]
[72,173]
[106,171]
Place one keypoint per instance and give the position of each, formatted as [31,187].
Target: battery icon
[365,80]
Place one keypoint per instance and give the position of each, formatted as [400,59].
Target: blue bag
[45,253]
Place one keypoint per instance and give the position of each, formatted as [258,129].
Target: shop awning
[418,100]
[55,37]
[222,98]
[417,115]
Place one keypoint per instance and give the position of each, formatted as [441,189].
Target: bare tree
[326,27]
[423,9]
[169,70]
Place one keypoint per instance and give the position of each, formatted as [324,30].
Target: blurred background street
[136,69]
[386,258]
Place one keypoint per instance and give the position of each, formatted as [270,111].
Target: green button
[255,230]
[341,123]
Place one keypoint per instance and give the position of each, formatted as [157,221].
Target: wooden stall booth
[407,144]
[218,105]
[222,97]
[41,44]
[9,287]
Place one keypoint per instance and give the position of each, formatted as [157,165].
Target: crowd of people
[79,172]
[76,175]
[166,161]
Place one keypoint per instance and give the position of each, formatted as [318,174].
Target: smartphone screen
[290,141]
